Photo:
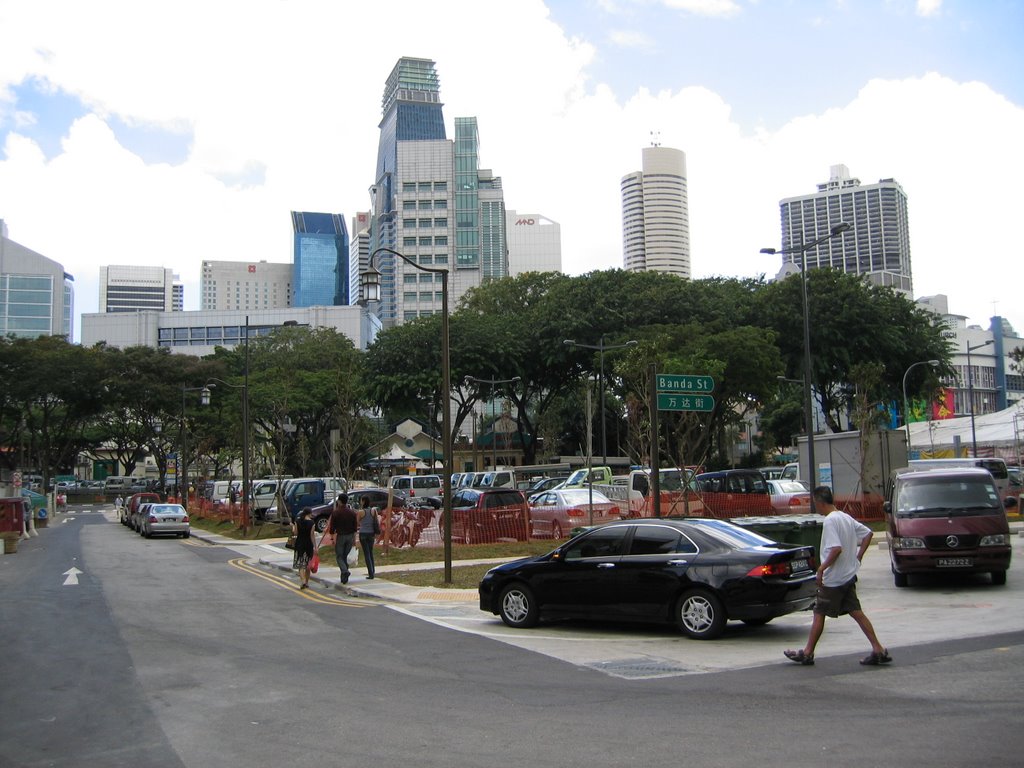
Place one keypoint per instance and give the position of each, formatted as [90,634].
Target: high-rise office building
[36,295]
[431,201]
[245,285]
[321,276]
[655,214]
[534,243]
[133,288]
[877,246]
[358,253]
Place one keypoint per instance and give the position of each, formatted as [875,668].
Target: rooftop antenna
[655,138]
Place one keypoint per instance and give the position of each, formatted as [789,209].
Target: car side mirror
[558,555]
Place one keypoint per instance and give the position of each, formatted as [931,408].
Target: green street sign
[672,383]
[685,402]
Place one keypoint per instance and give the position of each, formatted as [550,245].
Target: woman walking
[305,544]
[368,529]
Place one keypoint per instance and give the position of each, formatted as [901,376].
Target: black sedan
[698,573]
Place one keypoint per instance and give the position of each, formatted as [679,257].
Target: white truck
[633,495]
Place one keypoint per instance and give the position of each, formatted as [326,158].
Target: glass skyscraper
[321,260]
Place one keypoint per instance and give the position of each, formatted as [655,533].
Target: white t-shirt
[841,530]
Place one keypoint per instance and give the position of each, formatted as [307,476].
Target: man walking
[343,525]
[843,544]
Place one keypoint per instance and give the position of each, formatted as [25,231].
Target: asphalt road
[175,653]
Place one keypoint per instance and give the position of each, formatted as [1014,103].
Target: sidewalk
[275,555]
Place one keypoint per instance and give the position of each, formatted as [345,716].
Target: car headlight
[995,540]
[908,542]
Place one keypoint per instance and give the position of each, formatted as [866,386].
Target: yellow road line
[243,564]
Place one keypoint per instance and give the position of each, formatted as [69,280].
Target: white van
[117,484]
[416,485]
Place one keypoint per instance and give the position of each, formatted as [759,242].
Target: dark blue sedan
[698,573]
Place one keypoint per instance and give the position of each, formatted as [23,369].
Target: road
[178,653]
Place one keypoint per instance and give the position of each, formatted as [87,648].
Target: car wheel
[320,524]
[899,579]
[700,615]
[518,607]
[556,530]
[998,578]
[147,535]
[756,622]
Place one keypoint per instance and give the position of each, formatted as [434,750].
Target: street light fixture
[970,392]
[906,402]
[204,399]
[802,249]
[370,283]
[494,438]
[601,348]
[244,386]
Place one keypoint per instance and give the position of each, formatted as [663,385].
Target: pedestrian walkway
[272,553]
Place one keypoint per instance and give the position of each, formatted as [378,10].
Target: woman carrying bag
[304,530]
[368,527]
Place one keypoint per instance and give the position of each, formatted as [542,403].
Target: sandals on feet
[874,659]
[800,657]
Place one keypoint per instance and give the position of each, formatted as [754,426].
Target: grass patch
[463,577]
[233,531]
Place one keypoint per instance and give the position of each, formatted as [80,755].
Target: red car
[486,514]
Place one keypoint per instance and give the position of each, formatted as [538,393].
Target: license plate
[955,562]
[799,565]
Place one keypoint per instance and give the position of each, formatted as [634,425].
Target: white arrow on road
[72,576]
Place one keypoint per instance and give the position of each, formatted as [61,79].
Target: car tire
[320,524]
[899,579]
[700,615]
[518,607]
[147,535]
[998,578]
[556,530]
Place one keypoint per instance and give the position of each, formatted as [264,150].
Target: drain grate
[644,667]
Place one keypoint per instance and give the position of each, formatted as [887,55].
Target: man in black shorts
[843,544]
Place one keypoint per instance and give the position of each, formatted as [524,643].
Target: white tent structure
[396,456]
[998,434]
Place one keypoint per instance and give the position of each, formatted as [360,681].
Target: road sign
[672,383]
[685,402]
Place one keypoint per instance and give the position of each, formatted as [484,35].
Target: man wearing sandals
[843,544]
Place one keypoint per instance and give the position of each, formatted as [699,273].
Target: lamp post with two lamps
[204,399]
[802,249]
[906,402]
[244,386]
[494,434]
[370,284]
[601,349]
[970,393]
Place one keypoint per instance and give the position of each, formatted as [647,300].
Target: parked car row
[145,514]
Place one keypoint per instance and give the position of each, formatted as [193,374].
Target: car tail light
[769,569]
[152,518]
[184,519]
[575,513]
[799,501]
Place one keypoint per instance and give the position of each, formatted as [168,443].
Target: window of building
[427,241]
[409,242]
[440,205]
[425,223]
[409,223]
[441,240]
[427,259]
[425,205]
[409,186]
[408,205]
[441,222]
[440,186]
[424,186]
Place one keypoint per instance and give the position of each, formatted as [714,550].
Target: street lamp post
[370,283]
[601,349]
[244,386]
[802,249]
[204,398]
[906,402]
[970,393]
[494,438]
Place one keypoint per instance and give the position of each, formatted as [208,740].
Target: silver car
[159,519]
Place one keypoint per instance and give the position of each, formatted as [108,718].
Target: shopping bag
[314,564]
[353,557]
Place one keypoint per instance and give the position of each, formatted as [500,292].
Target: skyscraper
[534,243]
[36,294]
[431,201]
[878,244]
[655,214]
[321,260]
[247,285]
[133,288]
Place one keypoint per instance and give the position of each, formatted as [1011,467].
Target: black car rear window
[659,540]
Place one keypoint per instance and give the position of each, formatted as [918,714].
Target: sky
[162,133]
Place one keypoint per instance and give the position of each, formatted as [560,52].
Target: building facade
[37,296]
[321,274]
[245,285]
[430,201]
[136,288]
[534,243]
[655,214]
[358,253]
[877,246]
[199,333]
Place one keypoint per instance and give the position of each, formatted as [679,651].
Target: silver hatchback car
[160,519]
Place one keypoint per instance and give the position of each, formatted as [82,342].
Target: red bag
[314,564]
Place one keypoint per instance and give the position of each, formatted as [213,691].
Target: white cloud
[625,38]
[293,99]
[928,8]
[714,8]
